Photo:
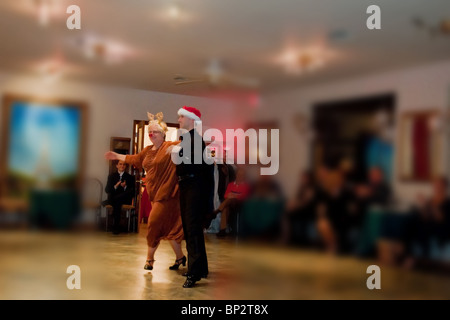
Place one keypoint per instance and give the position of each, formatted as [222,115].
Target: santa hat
[190,112]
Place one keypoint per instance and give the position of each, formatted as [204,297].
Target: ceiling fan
[216,76]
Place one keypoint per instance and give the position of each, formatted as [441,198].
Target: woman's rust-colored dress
[164,222]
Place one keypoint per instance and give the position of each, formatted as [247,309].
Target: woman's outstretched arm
[110,155]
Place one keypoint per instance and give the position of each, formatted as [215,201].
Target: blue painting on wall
[43,144]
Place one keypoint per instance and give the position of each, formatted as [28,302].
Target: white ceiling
[247,35]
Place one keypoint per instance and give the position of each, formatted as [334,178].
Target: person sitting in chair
[235,194]
[120,190]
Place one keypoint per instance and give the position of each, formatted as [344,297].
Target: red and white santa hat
[190,112]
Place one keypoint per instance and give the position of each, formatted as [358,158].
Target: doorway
[357,133]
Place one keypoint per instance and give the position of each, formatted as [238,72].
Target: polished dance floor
[33,265]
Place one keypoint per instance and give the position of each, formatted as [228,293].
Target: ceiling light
[46,10]
[289,61]
[110,51]
[296,62]
[51,70]
[43,12]
[174,12]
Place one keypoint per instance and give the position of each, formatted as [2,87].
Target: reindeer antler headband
[158,121]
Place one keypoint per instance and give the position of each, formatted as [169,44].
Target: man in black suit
[196,183]
[120,190]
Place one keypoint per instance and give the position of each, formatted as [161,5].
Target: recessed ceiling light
[298,61]
[51,70]
[174,11]
[46,10]
[43,12]
[110,51]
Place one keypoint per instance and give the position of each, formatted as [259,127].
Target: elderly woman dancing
[164,222]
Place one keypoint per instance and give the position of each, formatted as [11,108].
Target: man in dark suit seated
[120,189]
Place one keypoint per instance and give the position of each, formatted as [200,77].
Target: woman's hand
[110,155]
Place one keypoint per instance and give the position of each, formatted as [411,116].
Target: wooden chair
[109,210]
[130,211]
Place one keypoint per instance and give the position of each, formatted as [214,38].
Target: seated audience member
[226,176]
[223,175]
[430,224]
[267,188]
[120,189]
[300,213]
[261,213]
[335,205]
[377,191]
[235,194]
[346,167]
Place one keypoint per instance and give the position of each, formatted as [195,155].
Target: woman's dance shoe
[149,266]
[178,262]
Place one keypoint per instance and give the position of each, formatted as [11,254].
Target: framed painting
[120,145]
[421,142]
[42,145]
